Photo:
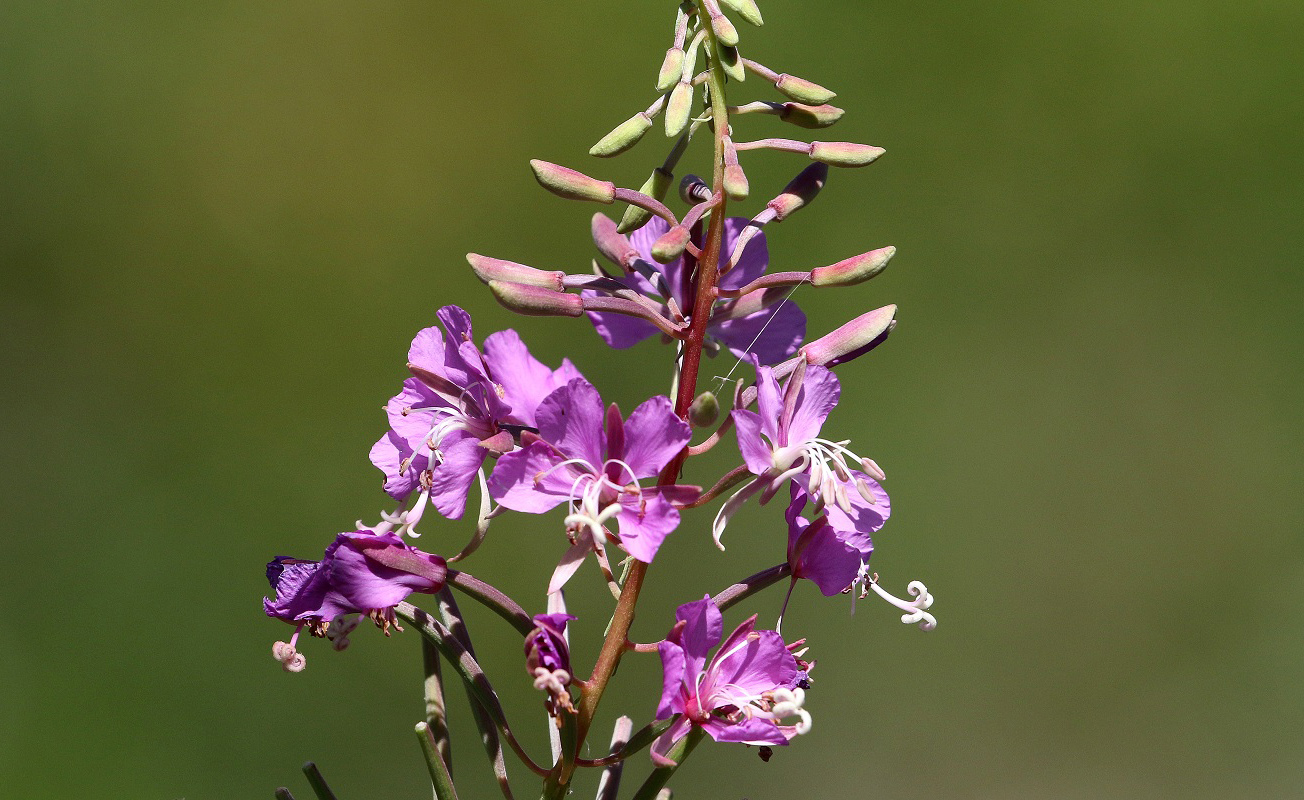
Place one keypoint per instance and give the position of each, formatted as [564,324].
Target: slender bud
[704,411]
[800,191]
[804,116]
[746,9]
[679,108]
[851,271]
[671,244]
[655,186]
[570,184]
[802,90]
[496,269]
[732,63]
[611,243]
[845,154]
[725,32]
[671,69]
[735,180]
[535,301]
[624,136]
[853,339]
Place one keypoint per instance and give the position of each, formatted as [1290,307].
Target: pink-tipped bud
[845,154]
[534,301]
[802,90]
[804,116]
[672,69]
[725,32]
[655,186]
[572,185]
[622,137]
[800,191]
[496,269]
[679,108]
[735,180]
[671,244]
[611,243]
[851,271]
[693,189]
[853,339]
[746,9]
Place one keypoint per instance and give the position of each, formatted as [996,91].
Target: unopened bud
[495,269]
[693,189]
[678,108]
[704,411]
[802,90]
[610,242]
[546,646]
[853,339]
[570,184]
[624,136]
[672,69]
[800,191]
[851,271]
[804,116]
[535,301]
[845,154]
[746,9]
[732,63]
[655,186]
[725,32]
[735,180]
[671,244]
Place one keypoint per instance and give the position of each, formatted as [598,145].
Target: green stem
[436,706]
[439,774]
[317,782]
[661,775]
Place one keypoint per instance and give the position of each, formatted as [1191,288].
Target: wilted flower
[547,658]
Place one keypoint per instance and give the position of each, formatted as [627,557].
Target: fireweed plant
[487,420]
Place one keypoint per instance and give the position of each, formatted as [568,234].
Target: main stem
[708,275]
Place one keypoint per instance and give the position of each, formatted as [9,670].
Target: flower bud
[495,269]
[851,271]
[704,411]
[804,116]
[534,301]
[845,154]
[732,63]
[800,191]
[624,136]
[746,9]
[693,189]
[853,339]
[672,69]
[655,186]
[611,243]
[802,90]
[678,108]
[572,185]
[735,180]
[725,32]
[545,646]
[671,244]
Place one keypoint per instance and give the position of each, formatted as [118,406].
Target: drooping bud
[746,9]
[853,339]
[535,301]
[622,137]
[671,244]
[496,269]
[851,271]
[735,180]
[679,108]
[704,411]
[610,242]
[655,186]
[671,69]
[845,154]
[800,191]
[802,90]
[572,185]
[805,116]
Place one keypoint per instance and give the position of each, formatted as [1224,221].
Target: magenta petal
[618,330]
[571,419]
[769,402]
[513,484]
[653,436]
[828,562]
[672,680]
[865,518]
[645,522]
[756,451]
[757,666]
[452,477]
[704,624]
[771,334]
[662,746]
[387,454]
[818,397]
[427,350]
[756,731]
[366,584]
[413,426]
[525,380]
[755,258]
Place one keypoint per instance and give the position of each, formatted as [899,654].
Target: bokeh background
[221,223]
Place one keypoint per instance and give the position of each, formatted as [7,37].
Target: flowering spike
[622,137]
[495,269]
[845,154]
[671,69]
[746,9]
[570,184]
[679,108]
[535,301]
[853,339]
[655,186]
[800,191]
[851,271]
[805,116]
[802,90]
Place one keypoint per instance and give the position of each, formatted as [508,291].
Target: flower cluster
[489,422]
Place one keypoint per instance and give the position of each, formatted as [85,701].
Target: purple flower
[459,408]
[830,556]
[547,658]
[772,333]
[360,573]
[599,464]
[739,695]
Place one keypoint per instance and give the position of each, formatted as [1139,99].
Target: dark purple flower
[456,411]
[603,466]
[360,573]
[739,695]
[771,333]
[547,658]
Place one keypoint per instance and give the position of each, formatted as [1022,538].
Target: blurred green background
[221,223]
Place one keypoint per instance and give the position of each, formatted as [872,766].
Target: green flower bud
[732,63]
[746,9]
[534,301]
[851,271]
[678,108]
[572,185]
[725,32]
[802,90]
[805,116]
[671,244]
[704,411]
[672,69]
[624,136]
[495,269]
[845,154]
[655,186]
